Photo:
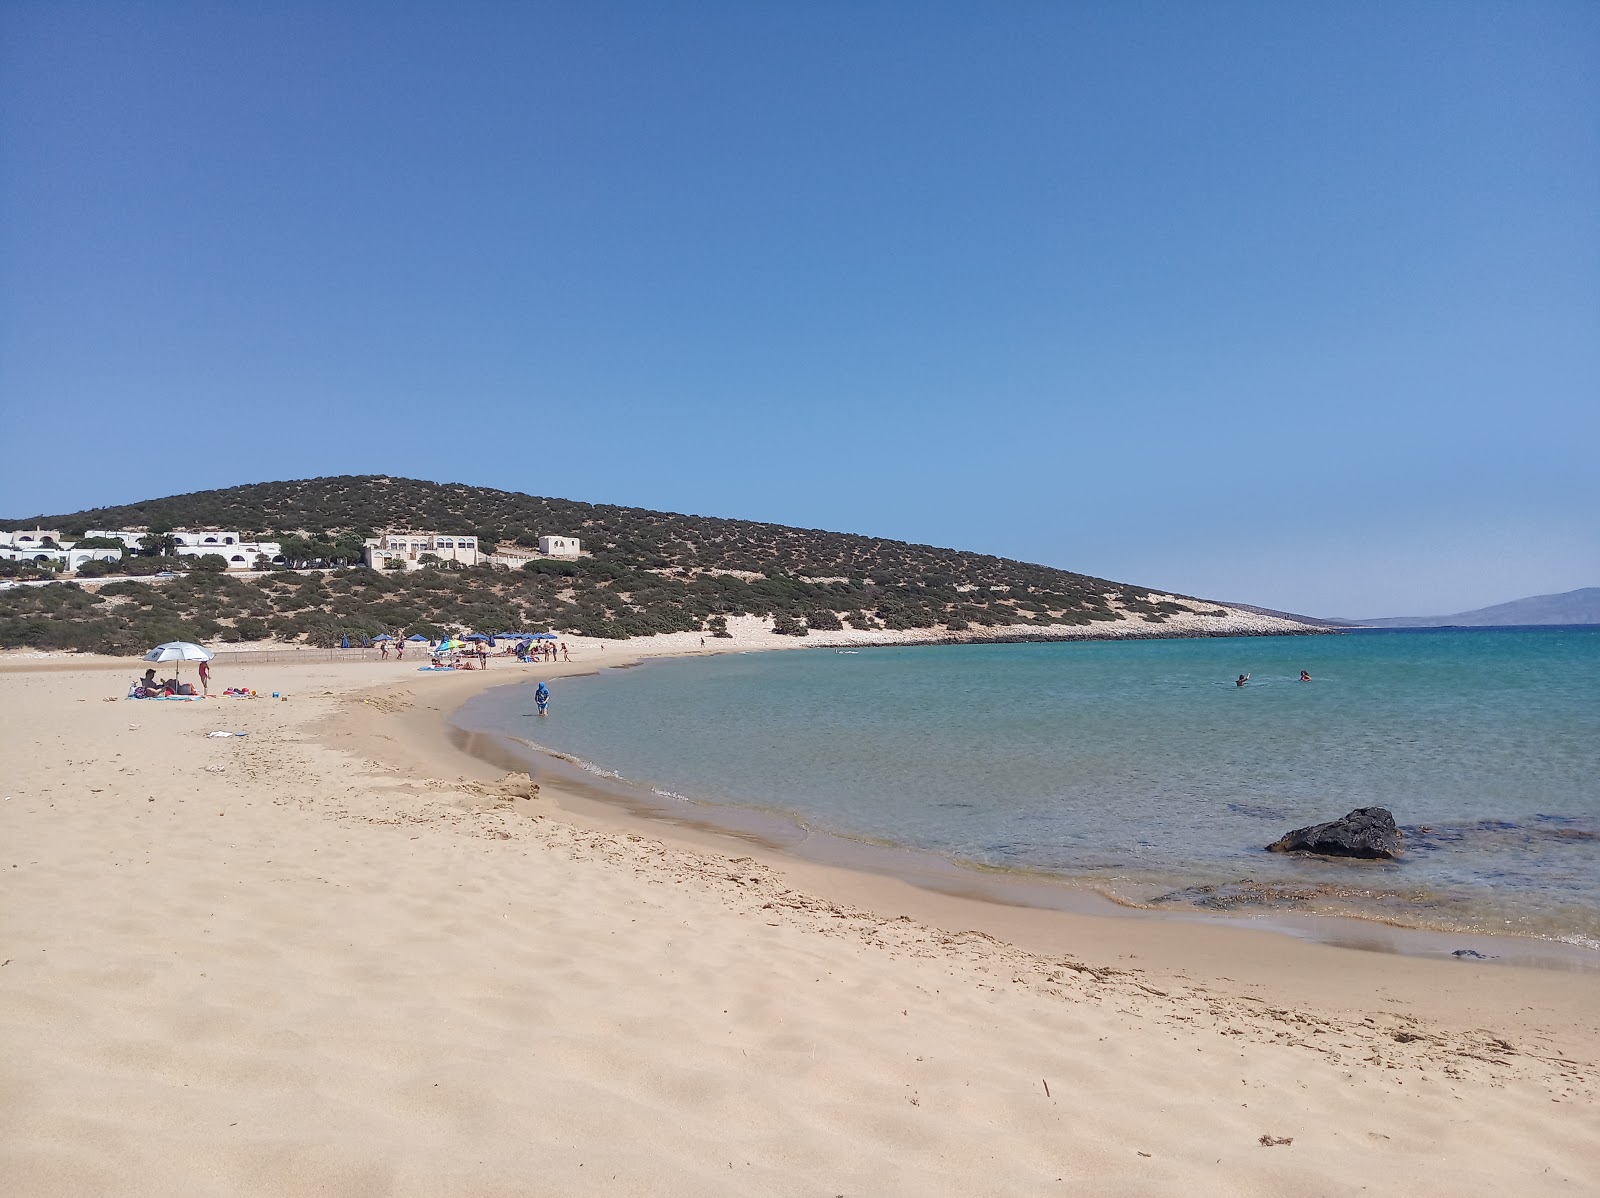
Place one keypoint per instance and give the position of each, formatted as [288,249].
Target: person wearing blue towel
[542,698]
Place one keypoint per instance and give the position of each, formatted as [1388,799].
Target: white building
[240,555]
[407,547]
[130,537]
[45,545]
[217,539]
[559,546]
[239,552]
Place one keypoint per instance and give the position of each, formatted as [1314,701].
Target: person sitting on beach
[1304,677]
[148,683]
[435,663]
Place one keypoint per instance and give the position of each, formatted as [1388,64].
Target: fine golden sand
[339,957]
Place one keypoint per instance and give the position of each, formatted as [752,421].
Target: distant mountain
[1571,607]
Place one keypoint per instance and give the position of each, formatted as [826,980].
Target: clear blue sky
[1294,304]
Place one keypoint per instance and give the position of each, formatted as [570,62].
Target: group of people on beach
[151,687]
[525,651]
[1244,678]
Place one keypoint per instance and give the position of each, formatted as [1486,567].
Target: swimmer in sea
[1243,678]
[1304,677]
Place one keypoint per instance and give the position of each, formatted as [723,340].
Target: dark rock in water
[1367,832]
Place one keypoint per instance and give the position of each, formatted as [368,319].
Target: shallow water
[1138,767]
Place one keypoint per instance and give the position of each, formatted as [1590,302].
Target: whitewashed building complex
[408,547]
[391,549]
[235,548]
[46,544]
[405,548]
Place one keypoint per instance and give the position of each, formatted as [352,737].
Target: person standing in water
[1304,677]
[1243,678]
[542,698]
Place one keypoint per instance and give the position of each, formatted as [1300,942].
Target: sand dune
[330,958]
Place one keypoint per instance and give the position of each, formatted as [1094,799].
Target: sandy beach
[340,956]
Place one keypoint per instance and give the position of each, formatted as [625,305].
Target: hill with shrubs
[643,572]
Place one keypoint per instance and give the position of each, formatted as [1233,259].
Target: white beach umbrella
[179,651]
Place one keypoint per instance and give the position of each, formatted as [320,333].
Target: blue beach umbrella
[382,636]
[416,636]
[544,636]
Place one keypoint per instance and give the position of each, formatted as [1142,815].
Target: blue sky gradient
[1289,304]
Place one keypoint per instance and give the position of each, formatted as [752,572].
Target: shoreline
[1340,909]
[1174,943]
[786,835]
[636,807]
[375,962]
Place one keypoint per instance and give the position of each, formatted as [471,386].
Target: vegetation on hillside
[646,572]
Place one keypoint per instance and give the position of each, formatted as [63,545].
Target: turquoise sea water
[1139,768]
